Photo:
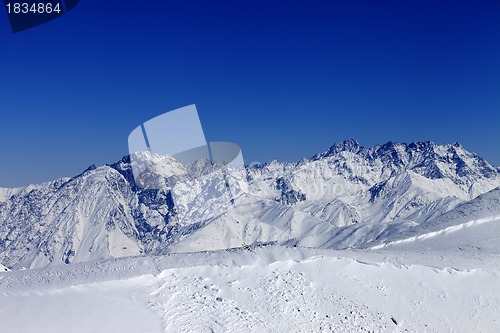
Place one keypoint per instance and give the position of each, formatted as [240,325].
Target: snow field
[269,289]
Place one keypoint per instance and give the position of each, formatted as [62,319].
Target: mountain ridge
[103,212]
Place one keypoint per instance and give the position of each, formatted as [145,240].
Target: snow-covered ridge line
[439,232]
[129,267]
[6,192]
[104,213]
[261,256]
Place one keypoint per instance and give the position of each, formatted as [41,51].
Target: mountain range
[348,196]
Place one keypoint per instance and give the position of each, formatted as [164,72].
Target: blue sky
[282,79]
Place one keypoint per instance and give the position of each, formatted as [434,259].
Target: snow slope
[480,236]
[474,224]
[264,289]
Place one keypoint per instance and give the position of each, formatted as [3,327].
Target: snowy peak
[426,158]
[349,145]
[68,221]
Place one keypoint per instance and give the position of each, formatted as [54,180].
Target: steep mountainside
[346,196]
[473,225]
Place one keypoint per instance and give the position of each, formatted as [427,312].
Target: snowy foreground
[260,289]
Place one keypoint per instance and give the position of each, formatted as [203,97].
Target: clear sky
[283,79]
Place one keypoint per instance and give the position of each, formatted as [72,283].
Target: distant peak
[350,142]
[349,145]
[273,162]
[389,145]
[420,145]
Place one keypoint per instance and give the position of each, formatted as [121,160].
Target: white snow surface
[262,289]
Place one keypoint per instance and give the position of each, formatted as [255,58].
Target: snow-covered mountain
[473,226]
[346,196]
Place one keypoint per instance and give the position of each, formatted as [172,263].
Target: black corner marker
[26,14]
